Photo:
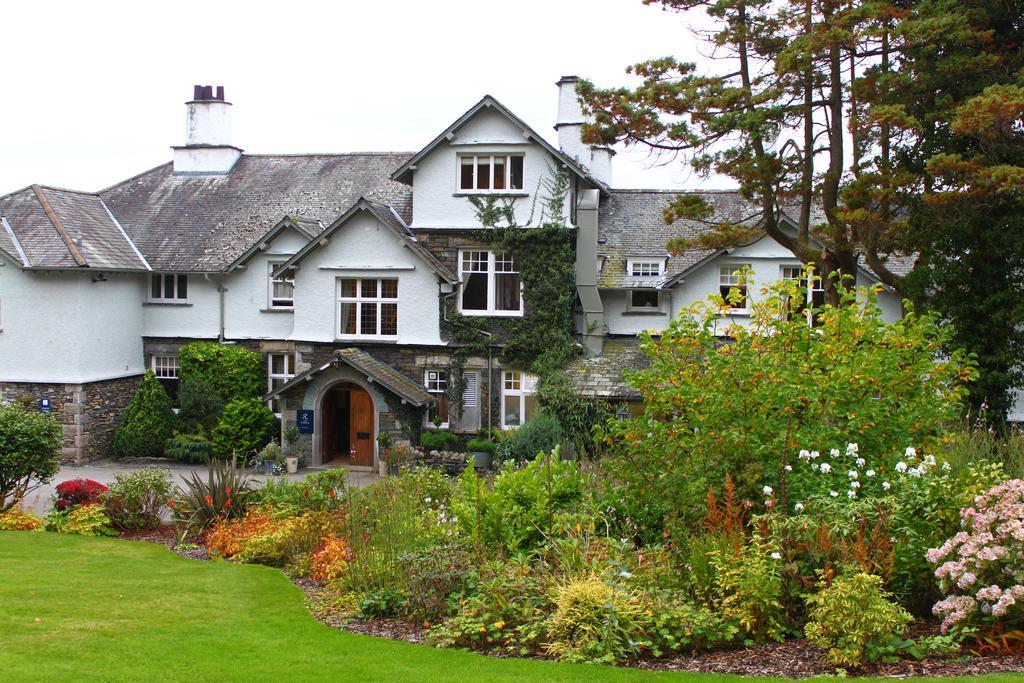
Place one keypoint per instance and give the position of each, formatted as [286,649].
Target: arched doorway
[347,426]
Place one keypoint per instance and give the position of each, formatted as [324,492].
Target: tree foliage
[146,423]
[747,408]
[29,452]
[245,427]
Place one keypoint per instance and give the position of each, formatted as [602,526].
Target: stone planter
[292,463]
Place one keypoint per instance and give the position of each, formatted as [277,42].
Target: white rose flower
[869,473]
[851,494]
[834,494]
[861,462]
[901,466]
[853,474]
[834,453]
[805,454]
[799,507]
[886,485]
[911,452]
[825,468]
[854,484]
[852,449]
[814,455]
[789,468]
[767,490]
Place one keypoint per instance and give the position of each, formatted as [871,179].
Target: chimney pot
[197,92]
[220,93]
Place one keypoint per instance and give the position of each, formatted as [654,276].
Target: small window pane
[388,319]
[277,363]
[516,181]
[389,289]
[483,173]
[466,173]
[369,289]
[513,418]
[155,286]
[168,286]
[348,318]
[474,295]
[348,288]
[500,170]
[507,291]
[368,318]
[644,298]
[183,286]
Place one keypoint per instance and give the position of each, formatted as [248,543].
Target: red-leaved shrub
[78,492]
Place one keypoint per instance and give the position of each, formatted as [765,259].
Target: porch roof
[376,371]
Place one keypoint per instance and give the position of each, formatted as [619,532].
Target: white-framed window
[815,296]
[732,277]
[645,267]
[490,172]
[281,289]
[168,287]
[167,370]
[490,284]
[280,369]
[644,300]
[436,384]
[518,398]
[367,307]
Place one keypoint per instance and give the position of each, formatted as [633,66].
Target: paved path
[105,471]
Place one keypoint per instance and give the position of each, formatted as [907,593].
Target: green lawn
[75,608]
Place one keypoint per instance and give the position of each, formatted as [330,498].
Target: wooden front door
[361,427]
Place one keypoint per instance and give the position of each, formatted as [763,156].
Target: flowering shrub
[17,519]
[223,495]
[331,561]
[981,568]
[78,492]
[136,499]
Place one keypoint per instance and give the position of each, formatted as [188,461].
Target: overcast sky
[95,91]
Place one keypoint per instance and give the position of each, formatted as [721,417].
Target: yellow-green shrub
[594,621]
[17,519]
[851,614]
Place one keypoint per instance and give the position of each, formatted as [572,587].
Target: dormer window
[645,267]
[490,172]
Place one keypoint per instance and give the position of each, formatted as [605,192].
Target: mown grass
[74,608]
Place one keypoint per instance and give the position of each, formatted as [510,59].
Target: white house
[338,268]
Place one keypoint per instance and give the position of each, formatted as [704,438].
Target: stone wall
[88,413]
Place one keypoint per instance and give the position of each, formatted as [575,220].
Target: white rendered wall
[247,302]
[436,179]
[621,321]
[62,327]
[198,317]
[363,248]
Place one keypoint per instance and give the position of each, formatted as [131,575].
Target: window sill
[491,193]
[640,311]
[366,338]
[166,303]
[492,314]
[277,310]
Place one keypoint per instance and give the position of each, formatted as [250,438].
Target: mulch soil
[791,659]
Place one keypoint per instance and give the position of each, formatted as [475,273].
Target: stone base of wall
[88,413]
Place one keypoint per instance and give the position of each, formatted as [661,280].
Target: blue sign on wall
[304,420]
[44,405]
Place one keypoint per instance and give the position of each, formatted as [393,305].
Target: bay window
[367,307]
[490,284]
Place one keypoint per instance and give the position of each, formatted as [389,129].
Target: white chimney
[207,149]
[597,160]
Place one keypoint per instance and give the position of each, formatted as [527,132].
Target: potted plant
[384,443]
[267,457]
[291,458]
[396,457]
[481,452]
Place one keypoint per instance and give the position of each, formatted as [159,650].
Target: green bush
[234,371]
[438,441]
[30,445]
[523,506]
[480,446]
[540,434]
[851,613]
[577,414]
[81,520]
[146,423]
[199,404]
[749,587]
[136,499]
[750,406]
[245,427]
[194,449]
[595,622]
[433,576]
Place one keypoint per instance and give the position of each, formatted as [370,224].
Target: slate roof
[381,373]
[601,376]
[632,222]
[91,237]
[189,223]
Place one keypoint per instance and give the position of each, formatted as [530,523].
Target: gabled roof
[404,173]
[377,372]
[185,223]
[387,216]
[54,229]
[306,227]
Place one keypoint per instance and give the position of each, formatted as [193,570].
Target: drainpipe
[586,272]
